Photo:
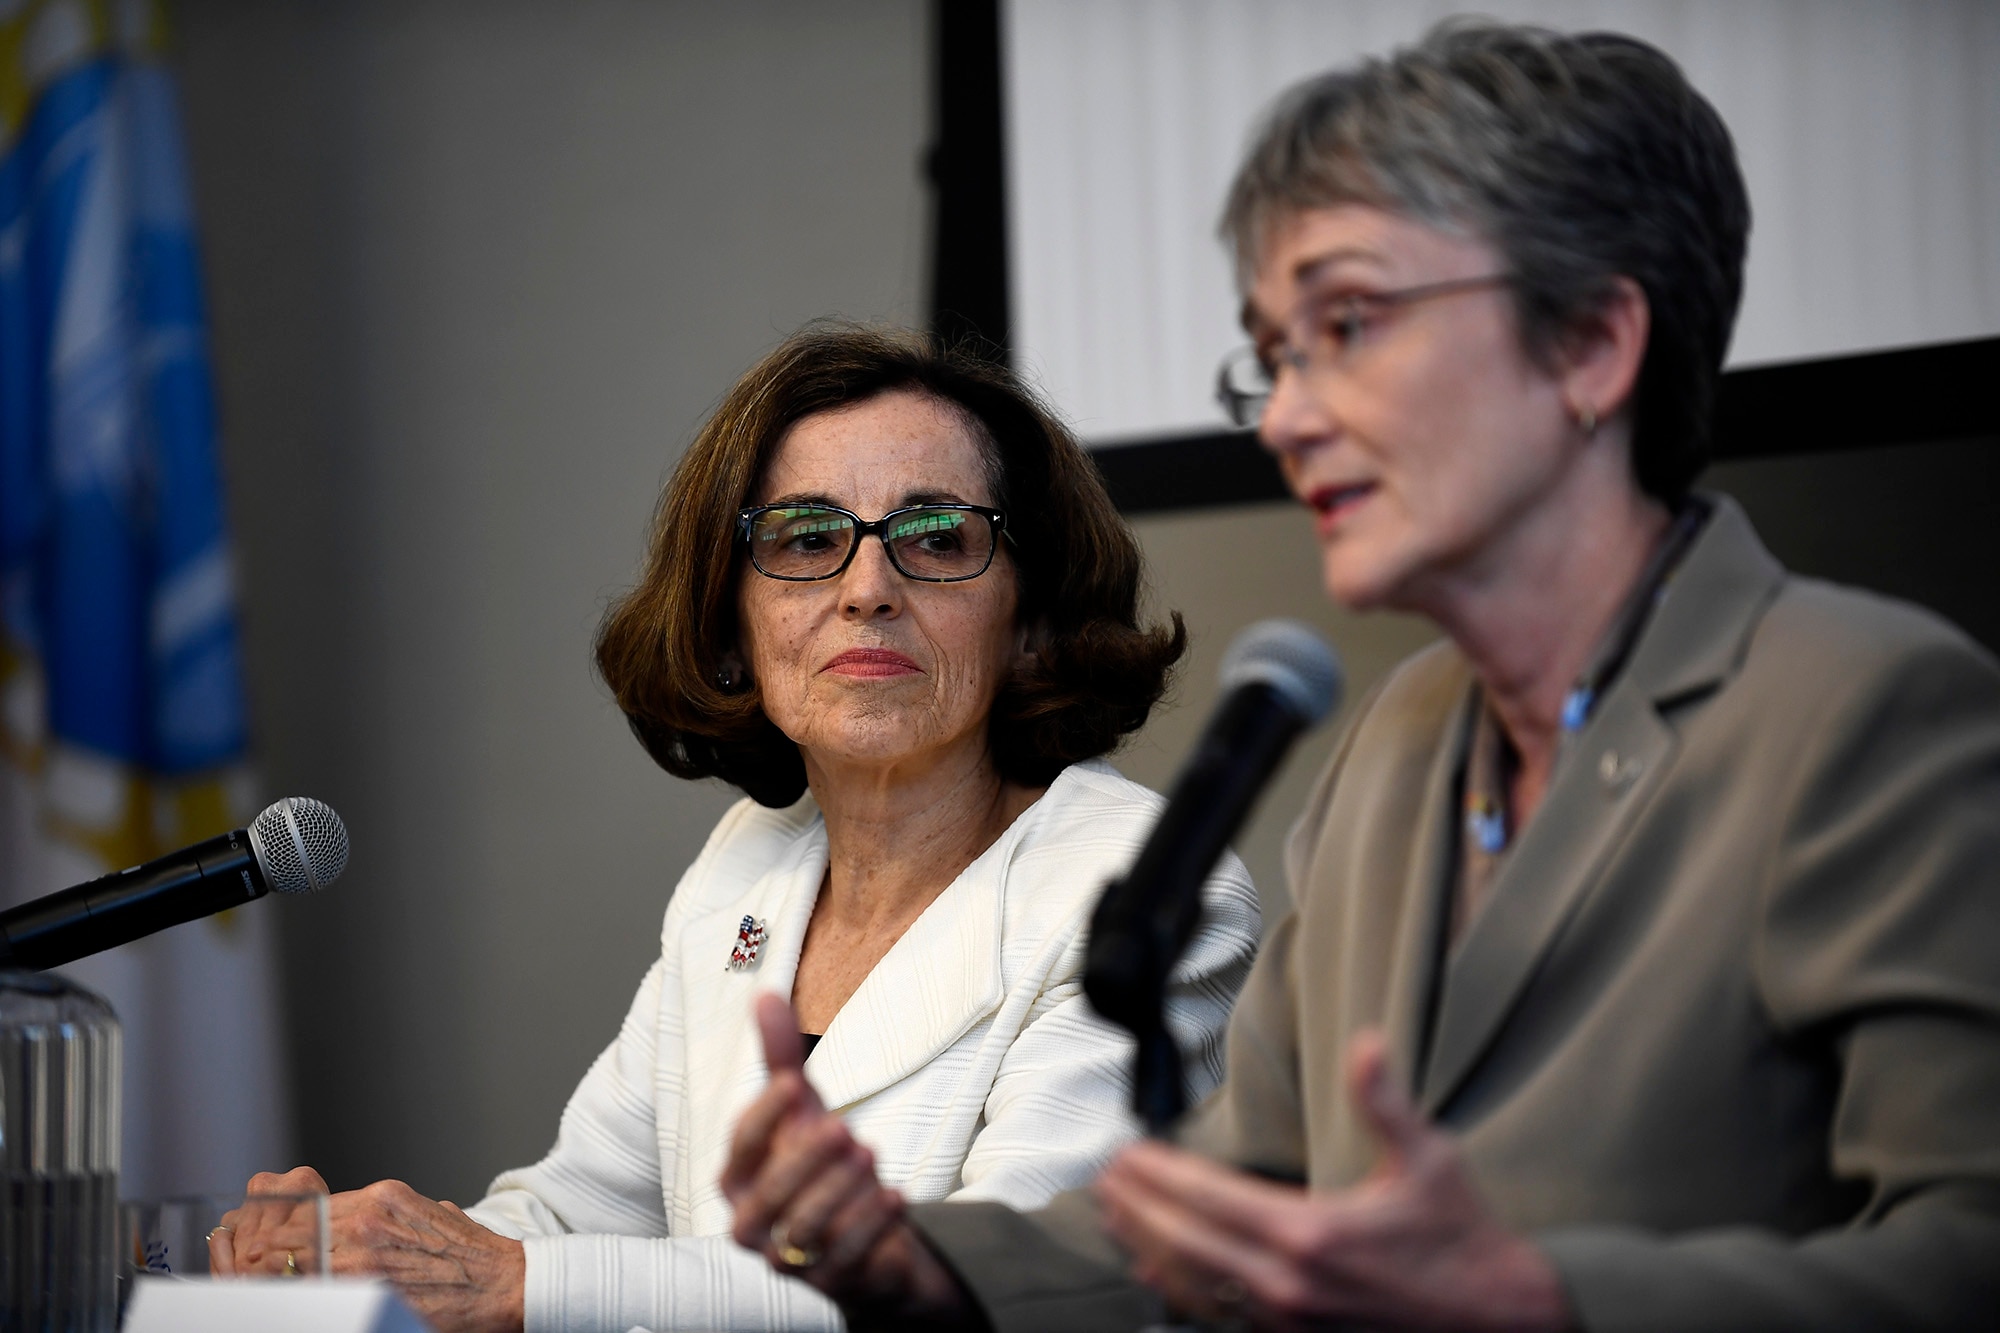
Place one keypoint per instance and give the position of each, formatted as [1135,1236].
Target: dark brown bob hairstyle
[1096,672]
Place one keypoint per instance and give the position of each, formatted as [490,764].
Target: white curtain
[1869,131]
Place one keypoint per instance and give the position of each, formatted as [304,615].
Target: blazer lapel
[724,1057]
[1617,764]
[1697,635]
[937,981]
[1407,1015]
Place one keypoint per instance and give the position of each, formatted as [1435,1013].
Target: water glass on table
[228,1235]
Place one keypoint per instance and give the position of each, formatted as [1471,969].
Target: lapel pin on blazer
[750,937]
[1617,772]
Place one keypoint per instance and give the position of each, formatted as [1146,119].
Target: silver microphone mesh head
[1290,658]
[300,844]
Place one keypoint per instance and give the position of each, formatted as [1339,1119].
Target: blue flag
[116,599]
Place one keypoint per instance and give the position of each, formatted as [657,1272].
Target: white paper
[267,1305]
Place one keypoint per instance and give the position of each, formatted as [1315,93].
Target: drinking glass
[227,1235]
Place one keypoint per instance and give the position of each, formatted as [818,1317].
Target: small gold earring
[1586,417]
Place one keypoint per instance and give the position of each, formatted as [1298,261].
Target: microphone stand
[1145,919]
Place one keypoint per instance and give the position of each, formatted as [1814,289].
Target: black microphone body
[1146,917]
[181,886]
[297,845]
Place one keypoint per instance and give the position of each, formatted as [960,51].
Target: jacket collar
[1698,635]
[721,1055]
[935,983]
[1702,627]
[942,977]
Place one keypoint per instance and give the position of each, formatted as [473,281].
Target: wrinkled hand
[456,1274]
[796,1175]
[274,1235]
[1410,1247]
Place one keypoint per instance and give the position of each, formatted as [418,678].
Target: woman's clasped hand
[453,1272]
[807,1197]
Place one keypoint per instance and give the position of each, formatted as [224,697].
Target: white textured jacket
[969,1060]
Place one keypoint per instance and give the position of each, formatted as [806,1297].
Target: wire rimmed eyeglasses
[1323,337]
[932,543]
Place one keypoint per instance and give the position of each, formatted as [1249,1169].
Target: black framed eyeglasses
[1322,338]
[934,543]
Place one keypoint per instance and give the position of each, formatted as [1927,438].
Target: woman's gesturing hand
[1411,1247]
[460,1277]
[807,1198]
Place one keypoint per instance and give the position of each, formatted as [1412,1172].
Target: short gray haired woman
[1641,974]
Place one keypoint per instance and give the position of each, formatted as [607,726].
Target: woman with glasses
[1643,967]
[887,597]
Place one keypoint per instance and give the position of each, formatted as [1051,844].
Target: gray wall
[477,270]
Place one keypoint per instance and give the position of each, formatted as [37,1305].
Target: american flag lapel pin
[750,936]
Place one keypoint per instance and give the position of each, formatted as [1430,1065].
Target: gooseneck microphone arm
[1279,679]
[295,846]
[197,881]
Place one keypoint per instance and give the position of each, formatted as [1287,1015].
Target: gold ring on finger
[792,1256]
[292,1264]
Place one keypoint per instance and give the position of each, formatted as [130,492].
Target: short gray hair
[1580,158]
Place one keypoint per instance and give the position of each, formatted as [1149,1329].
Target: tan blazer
[1726,1037]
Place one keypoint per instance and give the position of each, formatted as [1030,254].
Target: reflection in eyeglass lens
[801,541]
[940,543]
[924,542]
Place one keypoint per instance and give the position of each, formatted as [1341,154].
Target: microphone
[1278,679]
[297,845]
